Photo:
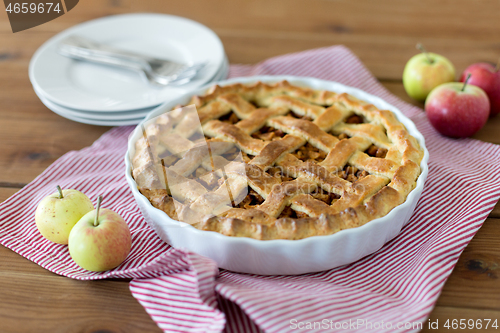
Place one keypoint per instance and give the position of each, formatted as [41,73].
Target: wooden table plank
[496,211]
[317,16]
[27,154]
[474,282]
[383,33]
[6,192]
[32,136]
[36,300]
[378,53]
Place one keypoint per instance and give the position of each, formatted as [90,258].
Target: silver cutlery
[157,71]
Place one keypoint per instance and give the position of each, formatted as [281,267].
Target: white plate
[220,75]
[115,118]
[64,113]
[92,115]
[86,86]
[271,257]
[224,72]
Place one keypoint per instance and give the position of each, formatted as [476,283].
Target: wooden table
[382,33]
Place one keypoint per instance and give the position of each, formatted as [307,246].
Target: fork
[157,71]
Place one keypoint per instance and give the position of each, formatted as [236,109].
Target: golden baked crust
[315,162]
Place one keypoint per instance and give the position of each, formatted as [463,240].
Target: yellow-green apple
[487,77]
[100,241]
[424,72]
[457,109]
[57,213]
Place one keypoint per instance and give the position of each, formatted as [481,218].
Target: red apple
[457,109]
[100,241]
[487,77]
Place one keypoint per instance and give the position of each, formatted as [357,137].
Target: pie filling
[230,118]
[168,159]
[352,174]
[375,151]
[232,154]
[343,136]
[307,184]
[324,196]
[208,179]
[298,116]
[309,153]
[268,133]
[252,200]
[288,212]
[355,119]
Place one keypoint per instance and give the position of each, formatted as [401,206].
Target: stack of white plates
[100,95]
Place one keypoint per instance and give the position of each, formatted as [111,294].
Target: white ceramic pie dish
[272,257]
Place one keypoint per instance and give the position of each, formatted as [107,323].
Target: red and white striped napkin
[184,292]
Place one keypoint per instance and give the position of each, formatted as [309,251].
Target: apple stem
[497,68]
[466,80]
[422,49]
[99,200]
[60,192]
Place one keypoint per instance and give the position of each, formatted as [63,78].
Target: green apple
[57,213]
[100,241]
[424,72]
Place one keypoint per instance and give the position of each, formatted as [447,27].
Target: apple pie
[276,161]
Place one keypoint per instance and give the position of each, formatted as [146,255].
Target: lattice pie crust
[314,162]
